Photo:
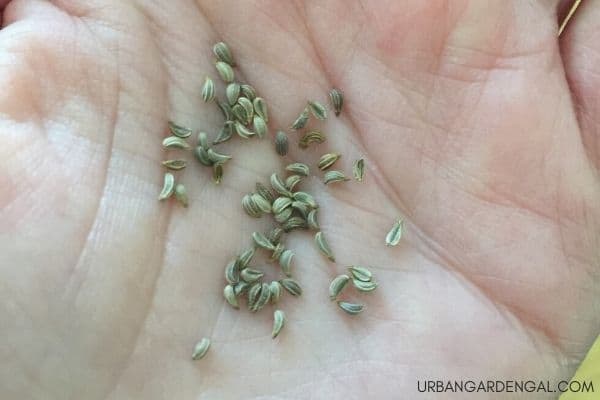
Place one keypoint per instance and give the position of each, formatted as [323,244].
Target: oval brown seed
[337,285]
[168,186]
[208,90]
[179,130]
[281,143]
[278,322]
[201,349]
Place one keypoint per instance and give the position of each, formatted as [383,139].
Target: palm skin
[474,126]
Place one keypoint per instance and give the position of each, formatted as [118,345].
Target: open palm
[474,126]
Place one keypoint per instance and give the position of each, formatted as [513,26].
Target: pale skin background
[477,124]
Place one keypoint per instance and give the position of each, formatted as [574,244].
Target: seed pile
[291,209]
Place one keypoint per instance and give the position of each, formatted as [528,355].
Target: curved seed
[281,203]
[253,294]
[351,308]
[203,140]
[201,349]
[277,252]
[222,52]
[229,294]
[226,110]
[250,206]
[181,194]
[242,131]
[337,285]
[225,133]
[364,286]
[318,110]
[337,100]
[359,169]
[240,288]
[175,142]
[245,258]
[334,176]
[324,246]
[312,220]
[291,286]
[311,137]
[281,143]
[232,272]
[168,187]
[232,92]
[249,92]
[239,113]
[285,260]
[260,126]
[291,182]
[278,322]
[248,107]
[306,199]
[298,168]
[283,216]
[301,121]
[178,130]
[217,173]
[360,273]
[217,158]
[208,90]
[264,192]
[275,235]
[175,165]
[260,108]
[262,241]
[262,204]
[395,234]
[225,71]
[302,208]
[263,299]
[202,156]
[294,223]
[275,289]
[327,160]
[279,185]
[251,275]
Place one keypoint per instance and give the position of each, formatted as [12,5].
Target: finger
[580,47]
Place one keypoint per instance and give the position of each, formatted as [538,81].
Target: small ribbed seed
[168,186]
[179,130]
[337,285]
[281,143]
[208,90]
[278,322]
[201,349]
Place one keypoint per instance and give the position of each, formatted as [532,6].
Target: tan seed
[327,160]
[225,133]
[279,185]
[245,258]
[310,138]
[253,294]
[359,170]
[306,199]
[279,248]
[251,275]
[261,203]
[217,158]
[248,108]
[334,176]
[337,100]
[312,221]
[263,298]
[364,286]
[232,272]
[242,131]
[202,156]
[175,142]
[217,173]
[281,203]
[275,289]
[275,235]
[203,140]
[225,110]
[291,182]
[250,207]
[241,288]
[265,192]
[249,92]
[294,223]
[283,216]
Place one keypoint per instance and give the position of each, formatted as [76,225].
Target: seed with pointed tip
[246,257]
[217,173]
[283,216]
[324,246]
[395,234]
[240,288]
[229,294]
[242,131]
[260,108]
[203,140]
[334,176]
[225,71]
[261,241]
[179,130]
[250,207]
[301,121]
[360,273]
[251,275]
[278,322]
[281,143]
[232,272]
[279,248]
[265,192]
[217,158]
[181,194]
[291,182]
[261,203]
[275,289]
[294,223]
[248,107]
[337,285]
[364,286]
[298,168]
[275,235]
[202,156]
[168,187]
[222,52]
[239,113]
[359,170]
[225,110]
[281,203]
[175,142]
[318,110]
[249,92]
[208,90]
[306,199]
[201,349]
[351,308]
[253,294]
[327,160]
[311,137]
[312,220]
[232,92]
[174,165]
[279,185]
[285,261]
[260,126]
[263,298]
[225,133]
[337,100]
[291,286]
